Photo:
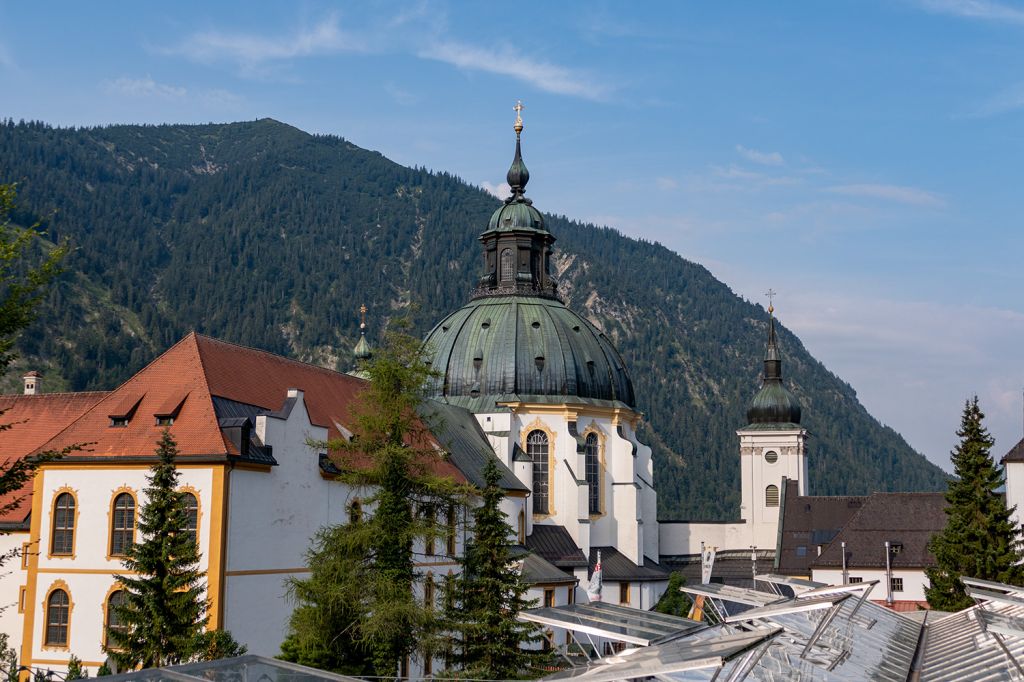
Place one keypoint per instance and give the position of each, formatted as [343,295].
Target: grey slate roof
[616,567]
[910,519]
[539,571]
[459,433]
[554,544]
[1016,453]
[807,522]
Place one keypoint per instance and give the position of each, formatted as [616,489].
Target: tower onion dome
[773,405]
[516,340]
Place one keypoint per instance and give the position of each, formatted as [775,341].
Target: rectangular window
[164,421]
[856,579]
[897,584]
[570,594]
[430,516]
[119,421]
[549,597]
[451,531]
[428,665]
[25,554]
[21,599]
[624,593]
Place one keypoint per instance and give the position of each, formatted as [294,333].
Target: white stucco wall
[87,574]
[756,474]
[1014,472]
[12,580]
[914,582]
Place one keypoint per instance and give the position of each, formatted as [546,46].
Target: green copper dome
[526,348]
[773,406]
[516,215]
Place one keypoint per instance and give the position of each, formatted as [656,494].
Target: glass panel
[192,516]
[537,449]
[506,265]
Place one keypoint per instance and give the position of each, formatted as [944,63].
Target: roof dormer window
[119,421]
[169,410]
[124,410]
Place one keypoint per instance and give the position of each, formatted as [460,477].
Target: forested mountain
[264,235]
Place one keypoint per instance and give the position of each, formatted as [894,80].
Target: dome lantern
[773,405]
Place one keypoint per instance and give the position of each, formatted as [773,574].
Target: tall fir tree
[981,539]
[485,640]
[163,618]
[358,611]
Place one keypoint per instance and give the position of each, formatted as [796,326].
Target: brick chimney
[33,383]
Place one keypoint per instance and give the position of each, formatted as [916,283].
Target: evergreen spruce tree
[163,618]
[485,638]
[980,539]
[75,669]
[358,611]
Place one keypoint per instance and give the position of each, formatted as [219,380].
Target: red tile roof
[33,420]
[190,374]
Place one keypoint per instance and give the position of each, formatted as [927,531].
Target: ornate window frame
[53,519]
[187,489]
[110,520]
[105,608]
[602,467]
[54,586]
[539,425]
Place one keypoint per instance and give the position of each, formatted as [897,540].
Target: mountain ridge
[263,234]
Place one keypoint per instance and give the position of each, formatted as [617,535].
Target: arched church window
[58,612]
[122,524]
[771,496]
[593,474]
[506,265]
[537,449]
[62,540]
[191,516]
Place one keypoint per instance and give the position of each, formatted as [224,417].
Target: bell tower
[773,446]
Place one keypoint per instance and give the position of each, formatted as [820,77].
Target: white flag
[594,588]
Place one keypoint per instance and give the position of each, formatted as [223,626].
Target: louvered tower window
[537,450]
[593,473]
[771,496]
[506,265]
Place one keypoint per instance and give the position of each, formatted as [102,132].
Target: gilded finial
[362,317]
[771,297]
[518,108]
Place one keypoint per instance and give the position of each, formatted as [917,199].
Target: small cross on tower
[362,316]
[771,299]
[518,108]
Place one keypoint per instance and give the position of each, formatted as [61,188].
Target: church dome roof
[773,405]
[527,348]
[517,214]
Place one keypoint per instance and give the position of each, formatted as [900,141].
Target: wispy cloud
[897,193]
[403,97]
[250,50]
[763,158]
[144,87]
[665,183]
[148,88]
[500,190]
[976,9]
[506,61]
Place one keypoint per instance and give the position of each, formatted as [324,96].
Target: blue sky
[862,158]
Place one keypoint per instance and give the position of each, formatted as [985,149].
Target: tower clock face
[771,457]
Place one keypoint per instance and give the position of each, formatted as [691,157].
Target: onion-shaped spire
[518,175]
[773,404]
[362,351]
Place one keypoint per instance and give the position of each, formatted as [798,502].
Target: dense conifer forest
[261,234]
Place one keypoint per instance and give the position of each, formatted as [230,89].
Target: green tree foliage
[981,539]
[8,659]
[359,610]
[26,269]
[674,602]
[75,669]
[484,638]
[163,618]
[229,229]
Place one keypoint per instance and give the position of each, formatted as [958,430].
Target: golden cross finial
[362,315]
[518,108]
[771,297]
